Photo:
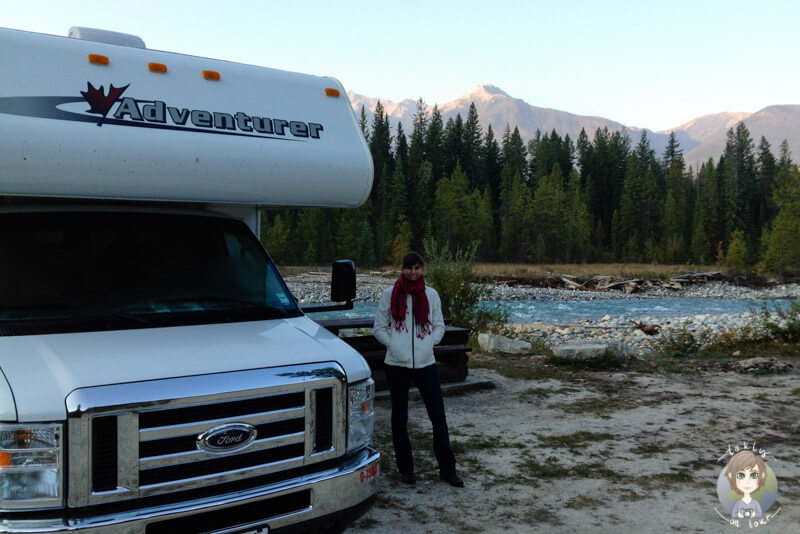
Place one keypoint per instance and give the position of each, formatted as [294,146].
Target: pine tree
[381,148]
[514,152]
[767,174]
[672,151]
[640,204]
[492,166]
[677,215]
[452,217]
[471,149]
[421,204]
[578,222]
[276,238]
[312,236]
[482,224]
[401,147]
[701,249]
[737,254]
[380,143]
[434,144]
[354,238]
[585,156]
[516,231]
[545,151]
[362,122]
[453,143]
[742,182]
[416,149]
[785,157]
[398,203]
[549,214]
[782,242]
[607,167]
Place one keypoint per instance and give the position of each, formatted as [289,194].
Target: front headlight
[361,414]
[30,466]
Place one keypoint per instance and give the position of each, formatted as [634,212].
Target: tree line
[554,199]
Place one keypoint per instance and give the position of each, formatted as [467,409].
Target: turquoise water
[565,312]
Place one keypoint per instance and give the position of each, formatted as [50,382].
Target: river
[572,311]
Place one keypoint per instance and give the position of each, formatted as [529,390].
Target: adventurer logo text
[118,108]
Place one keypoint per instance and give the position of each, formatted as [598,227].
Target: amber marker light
[97,59]
[330,91]
[157,67]
[211,75]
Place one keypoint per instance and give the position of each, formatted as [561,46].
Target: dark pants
[427,382]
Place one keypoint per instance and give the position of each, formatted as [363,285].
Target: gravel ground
[592,452]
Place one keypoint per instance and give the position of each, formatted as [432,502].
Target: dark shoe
[408,478]
[453,480]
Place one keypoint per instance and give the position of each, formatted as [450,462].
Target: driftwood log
[649,329]
[627,285]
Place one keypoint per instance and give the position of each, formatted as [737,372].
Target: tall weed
[452,274]
[783,324]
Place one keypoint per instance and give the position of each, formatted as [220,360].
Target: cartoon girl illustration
[746,475]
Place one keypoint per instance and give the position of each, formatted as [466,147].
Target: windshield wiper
[64,310]
[213,303]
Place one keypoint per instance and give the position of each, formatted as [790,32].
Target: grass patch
[536,393]
[672,478]
[631,496]
[552,469]
[598,407]
[543,393]
[577,503]
[482,443]
[650,449]
[518,367]
[607,361]
[574,440]
[366,522]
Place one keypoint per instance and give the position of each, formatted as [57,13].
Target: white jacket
[406,349]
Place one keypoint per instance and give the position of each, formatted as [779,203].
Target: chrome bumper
[346,486]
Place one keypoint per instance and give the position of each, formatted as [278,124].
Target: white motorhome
[157,374]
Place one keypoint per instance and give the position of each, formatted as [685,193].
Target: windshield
[84,271]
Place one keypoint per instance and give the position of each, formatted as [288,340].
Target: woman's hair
[745,460]
[411,259]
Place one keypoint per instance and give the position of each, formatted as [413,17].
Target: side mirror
[343,288]
[343,281]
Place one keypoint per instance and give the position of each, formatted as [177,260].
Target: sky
[642,63]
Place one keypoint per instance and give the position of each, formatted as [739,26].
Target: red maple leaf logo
[99,102]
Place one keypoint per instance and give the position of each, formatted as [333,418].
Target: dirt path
[603,451]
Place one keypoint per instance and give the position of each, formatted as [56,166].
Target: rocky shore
[618,332]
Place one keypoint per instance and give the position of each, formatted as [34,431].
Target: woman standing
[409,323]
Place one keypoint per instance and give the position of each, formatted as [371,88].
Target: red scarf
[403,287]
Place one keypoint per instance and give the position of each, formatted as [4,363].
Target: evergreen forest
[552,199]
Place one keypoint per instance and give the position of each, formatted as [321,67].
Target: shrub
[736,258]
[452,275]
[783,324]
[681,341]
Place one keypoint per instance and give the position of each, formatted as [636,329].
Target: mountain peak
[484,92]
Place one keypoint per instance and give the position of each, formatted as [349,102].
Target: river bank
[614,314]
[315,287]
